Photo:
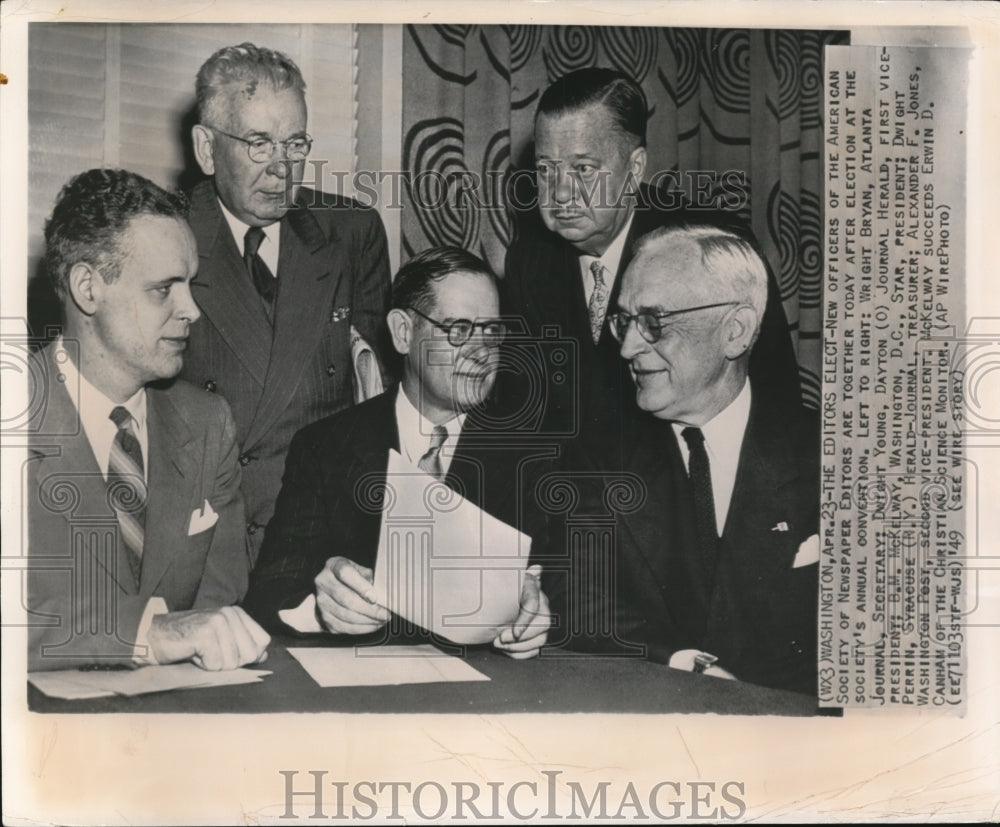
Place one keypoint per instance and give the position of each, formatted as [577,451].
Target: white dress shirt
[269,247]
[95,412]
[723,441]
[415,432]
[95,416]
[611,260]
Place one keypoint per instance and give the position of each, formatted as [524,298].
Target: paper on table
[72,684]
[383,665]
[443,563]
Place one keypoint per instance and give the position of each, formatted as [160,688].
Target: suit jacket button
[210,386]
[244,459]
[252,528]
[331,369]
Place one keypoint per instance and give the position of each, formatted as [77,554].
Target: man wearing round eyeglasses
[289,278]
[717,568]
[315,572]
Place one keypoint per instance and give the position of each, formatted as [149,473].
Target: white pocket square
[808,552]
[202,520]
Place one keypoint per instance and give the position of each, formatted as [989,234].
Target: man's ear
[637,162]
[83,287]
[400,329]
[204,148]
[740,331]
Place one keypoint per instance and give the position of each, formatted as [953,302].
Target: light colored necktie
[598,301]
[127,487]
[430,463]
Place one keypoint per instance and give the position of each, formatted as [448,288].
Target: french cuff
[691,660]
[303,617]
[142,653]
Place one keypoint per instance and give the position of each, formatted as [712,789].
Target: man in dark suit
[135,519]
[565,271]
[324,536]
[286,274]
[714,560]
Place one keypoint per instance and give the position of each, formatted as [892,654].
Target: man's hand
[345,599]
[213,639]
[525,637]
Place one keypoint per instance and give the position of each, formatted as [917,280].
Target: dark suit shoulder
[366,421]
[335,207]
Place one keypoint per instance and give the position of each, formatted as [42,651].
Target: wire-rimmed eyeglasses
[650,324]
[261,150]
[460,331]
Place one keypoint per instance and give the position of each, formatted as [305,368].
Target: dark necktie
[700,475]
[128,488]
[430,462]
[260,274]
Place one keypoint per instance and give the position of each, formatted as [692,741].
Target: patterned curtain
[742,103]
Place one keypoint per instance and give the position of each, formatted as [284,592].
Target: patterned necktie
[430,463]
[260,274]
[704,502]
[598,301]
[127,487]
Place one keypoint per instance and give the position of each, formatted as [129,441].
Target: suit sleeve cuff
[142,653]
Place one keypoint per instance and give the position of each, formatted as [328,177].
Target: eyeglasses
[261,150]
[461,330]
[649,324]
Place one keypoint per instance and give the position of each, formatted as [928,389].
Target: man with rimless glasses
[288,277]
[315,571]
[715,569]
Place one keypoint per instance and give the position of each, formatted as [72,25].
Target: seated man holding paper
[712,566]
[135,519]
[416,468]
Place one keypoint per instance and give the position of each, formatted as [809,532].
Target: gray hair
[240,69]
[734,268]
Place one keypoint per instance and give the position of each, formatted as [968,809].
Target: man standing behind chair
[324,537]
[717,569]
[590,153]
[284,274]
[135,519]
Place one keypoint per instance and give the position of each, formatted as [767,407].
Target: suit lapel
[223,288]
[173,475]
[308,278]
[766,466]
[69,473]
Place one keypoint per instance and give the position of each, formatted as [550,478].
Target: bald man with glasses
[316,568]
[716,565]
[289,278]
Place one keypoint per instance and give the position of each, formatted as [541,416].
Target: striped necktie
[127,487]
[260,273]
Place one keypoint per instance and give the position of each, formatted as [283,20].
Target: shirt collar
[724,432]
[92,405]
[612,257]
[272,232]
[415,429]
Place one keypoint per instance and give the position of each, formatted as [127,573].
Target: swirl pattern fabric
[743,106]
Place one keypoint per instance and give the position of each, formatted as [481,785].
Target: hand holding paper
[213,639]
[345,599]
[525,637]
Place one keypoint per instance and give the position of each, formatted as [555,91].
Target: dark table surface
[555,682]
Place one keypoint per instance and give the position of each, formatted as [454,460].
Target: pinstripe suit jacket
[333,272]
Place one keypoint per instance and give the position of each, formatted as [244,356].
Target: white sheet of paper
[443,563]
[383,665]
[72,684]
